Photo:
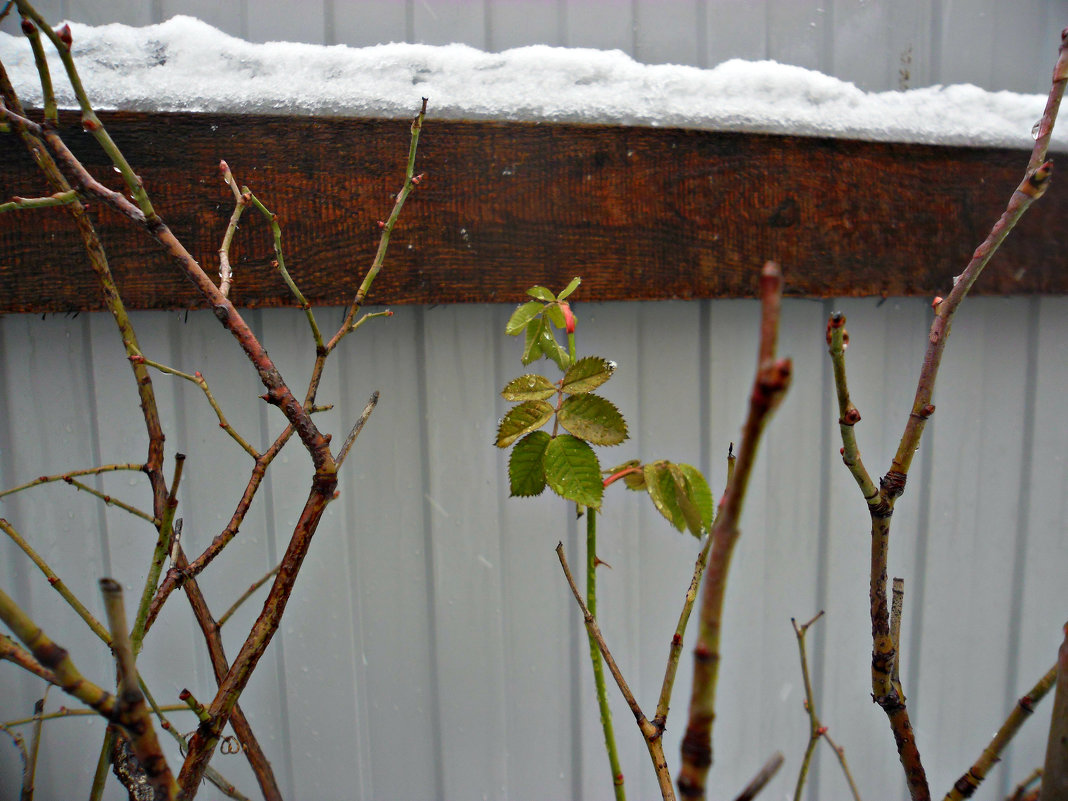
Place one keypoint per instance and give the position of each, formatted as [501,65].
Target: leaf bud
[569,317]
[28,27]
[64,35]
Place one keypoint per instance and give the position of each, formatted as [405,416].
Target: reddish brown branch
[769,387]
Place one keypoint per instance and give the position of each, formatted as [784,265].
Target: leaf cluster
[564,460]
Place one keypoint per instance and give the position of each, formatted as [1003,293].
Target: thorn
[597,562]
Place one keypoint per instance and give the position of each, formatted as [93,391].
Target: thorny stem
[816,729]
[967,784]
[131,711]
[1055,768]
[650,731]
[24,203]
[167,531]
[198,379]
[110,500]
[769,386]
[760,781]
[246,595]
[885,690]
[89,471]
[226,273]
[590,612]
[280,264]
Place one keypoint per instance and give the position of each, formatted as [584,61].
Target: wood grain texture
[640,213]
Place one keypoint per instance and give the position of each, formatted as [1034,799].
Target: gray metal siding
[877,44]
[431,649]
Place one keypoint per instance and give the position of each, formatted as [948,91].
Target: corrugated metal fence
[431,649]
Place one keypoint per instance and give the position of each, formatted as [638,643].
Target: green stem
[595,657]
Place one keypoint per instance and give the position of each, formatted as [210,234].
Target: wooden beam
[640,213]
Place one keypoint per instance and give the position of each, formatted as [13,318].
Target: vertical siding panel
[516,23]
[228,17]
[360,23]
[47,365]
[887,341]
[1045,594]
[666,32]
[440,22]
[322,694]
[736,29]
[611,332]
[462,491]
[798,33]
[215,475]
[604,24]
[283,21]
[976,436]
[788,541]
[666,425]
[882,46]
[128,12]
[733,347]
[381,512]
[538,614]
[168,661]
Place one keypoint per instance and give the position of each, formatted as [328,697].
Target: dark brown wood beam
[639,213]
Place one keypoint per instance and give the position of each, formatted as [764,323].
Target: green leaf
[569,288]
[532,347]
[541,293]
[700,494]
[661,488]
[556,314]
[522,419]
[526,466]
[593,418]
[572,470]
[529,387]
[690,513]
[587,374]
[551,348]
[522,315]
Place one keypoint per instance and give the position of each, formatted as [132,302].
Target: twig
[167,529]
[89,471]
[966,785]
[764,775]
[246,594]
[650,731]
[54,658]
[1055,769]
[769,387]
[1021,790]
[131,711]
[279,264]
[198,379]
[29,777]
[26,793]
[816,729]
[356,429]
[11,651]
[112,501]
[226,273]
[23,203]
[887,692]
[56,582]
[597,647]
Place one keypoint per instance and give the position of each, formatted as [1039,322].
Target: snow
[186,65]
